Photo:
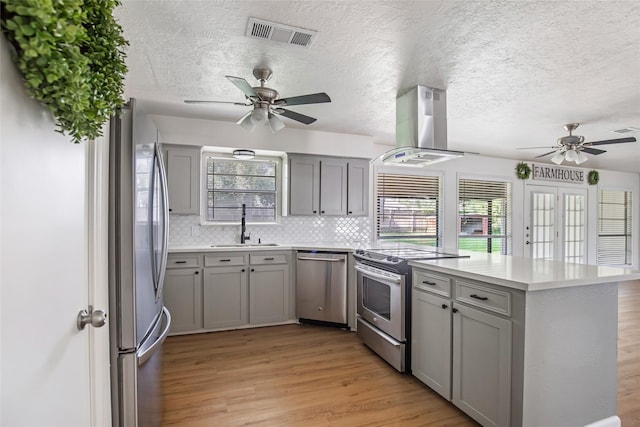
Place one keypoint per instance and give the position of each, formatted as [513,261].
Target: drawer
[183,261]
[430,282]
[484,297]
[225,260]
[259,259]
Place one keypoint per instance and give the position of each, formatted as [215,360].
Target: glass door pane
[574,227]
[543,231]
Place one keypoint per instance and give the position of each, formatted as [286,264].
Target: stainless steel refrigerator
[138,236]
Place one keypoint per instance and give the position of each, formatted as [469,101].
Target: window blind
[408,208]
[614,227]
[231,183]
[484,215]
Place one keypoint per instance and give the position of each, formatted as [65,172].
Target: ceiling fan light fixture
[275,124]
[558,158]
[580,157]
[259,116]
[246,122]
[244,154]
[571,155]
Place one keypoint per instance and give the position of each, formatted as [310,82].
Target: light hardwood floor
[302,375]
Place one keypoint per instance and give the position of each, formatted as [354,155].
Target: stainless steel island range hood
[421,129]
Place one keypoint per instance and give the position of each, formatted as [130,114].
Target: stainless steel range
[384,300]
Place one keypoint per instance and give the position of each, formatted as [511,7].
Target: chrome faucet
[243,226]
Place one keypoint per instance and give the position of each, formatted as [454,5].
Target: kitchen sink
[244,245]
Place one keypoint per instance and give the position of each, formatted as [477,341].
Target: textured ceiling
[515,71]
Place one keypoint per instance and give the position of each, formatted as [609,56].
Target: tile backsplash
[186,230]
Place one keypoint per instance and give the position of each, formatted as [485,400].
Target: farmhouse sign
[557,174]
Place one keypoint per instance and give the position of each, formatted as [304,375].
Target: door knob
[95,318]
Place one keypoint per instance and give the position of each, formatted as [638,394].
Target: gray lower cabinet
[461,344]
[431,341]
[481,367]
[183,298]
[225,297]
[241,290]
[269,294]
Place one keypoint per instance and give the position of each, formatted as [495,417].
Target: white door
[44,268]
[555,223]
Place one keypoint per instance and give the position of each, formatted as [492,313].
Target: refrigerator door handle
[165,216]
[146,355]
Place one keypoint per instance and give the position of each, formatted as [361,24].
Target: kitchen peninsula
[514,341]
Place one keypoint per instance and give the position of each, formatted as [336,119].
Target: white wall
[177,130]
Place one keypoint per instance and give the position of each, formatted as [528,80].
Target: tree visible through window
[231,183]
[408,208]
[484,216]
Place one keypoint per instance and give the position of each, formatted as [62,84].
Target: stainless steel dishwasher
[321,287]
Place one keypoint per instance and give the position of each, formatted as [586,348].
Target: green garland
[523,170]
[70,54]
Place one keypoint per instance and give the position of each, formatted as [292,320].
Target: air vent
[629,129]
[260,29]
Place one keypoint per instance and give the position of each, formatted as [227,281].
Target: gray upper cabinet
[328,186]
[357,188]
[304,187]
[183,178]
[333,187]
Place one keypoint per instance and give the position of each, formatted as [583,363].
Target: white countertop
[527,274]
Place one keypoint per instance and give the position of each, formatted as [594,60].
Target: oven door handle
[384,277]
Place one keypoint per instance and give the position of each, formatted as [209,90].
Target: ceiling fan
[266,104]
[572,147]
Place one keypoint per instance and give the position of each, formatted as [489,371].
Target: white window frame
[508,234]
[408,172]
[280,195]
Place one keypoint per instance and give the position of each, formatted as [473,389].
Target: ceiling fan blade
[612,141]
[296,116]
[195,101]
[244,86]
[314,98]
[545,154]
[533,148]
[593,151]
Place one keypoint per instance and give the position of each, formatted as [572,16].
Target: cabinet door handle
[349,212]
[429,283]
[321,211]
[253,269]
[478,297]
[315,211]
[455,310]
[197,272]
[181,262]
[242,270]
[225,260]
[269,258]
[444,306]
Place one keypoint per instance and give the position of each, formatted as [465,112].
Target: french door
[555,223]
